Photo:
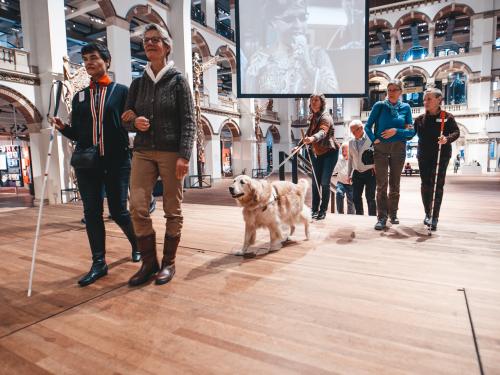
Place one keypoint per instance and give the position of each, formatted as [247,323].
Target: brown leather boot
[147,247]
[168,262]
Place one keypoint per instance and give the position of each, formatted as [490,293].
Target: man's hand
[181,168]
[442,140]
[388,133]
[57,122]
[129,116]
[350,181]
[141,123]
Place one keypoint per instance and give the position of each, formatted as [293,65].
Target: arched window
[413,92]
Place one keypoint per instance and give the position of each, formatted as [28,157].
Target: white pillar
[44,33]
[432,30]
[208,7]
[118,35]
[248,141]
[210,84]
[393,45]
[180,27]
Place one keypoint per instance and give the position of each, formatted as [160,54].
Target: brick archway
[148,13]
[412,70]
[201,43]
[410,17]
[275,133]
[452,66]
[379,23]
[228,54]
[378,73]
[454,8]
[233,127]
[207,128]
[30,113]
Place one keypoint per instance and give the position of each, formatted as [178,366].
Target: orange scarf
[104,81]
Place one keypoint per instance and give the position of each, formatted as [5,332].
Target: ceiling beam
[87,7]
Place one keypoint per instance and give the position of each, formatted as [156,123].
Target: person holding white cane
[436,130]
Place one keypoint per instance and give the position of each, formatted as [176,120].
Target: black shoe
[434,224]
[427,220]
[381,224]
[97,271]
[136,255]
[315,214]
[321,215]
[152,205]
[394,220]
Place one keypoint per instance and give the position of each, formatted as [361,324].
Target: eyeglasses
[393,90]
[152,40]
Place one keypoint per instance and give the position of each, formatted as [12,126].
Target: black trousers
[115,180]
[364,181]
[427,168]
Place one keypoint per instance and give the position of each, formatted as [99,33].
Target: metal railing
[224,30]
[198,15]
[14,59]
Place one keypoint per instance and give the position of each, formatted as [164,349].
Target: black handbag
[85,158]
[88,158]
[367,157]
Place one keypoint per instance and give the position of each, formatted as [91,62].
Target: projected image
[297,47]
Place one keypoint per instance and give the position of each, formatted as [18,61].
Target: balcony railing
[446,49]
[198,15]
[14,59]
[224,30]
[417,111]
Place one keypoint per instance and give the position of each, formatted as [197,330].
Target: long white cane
[45,176]
[429,228]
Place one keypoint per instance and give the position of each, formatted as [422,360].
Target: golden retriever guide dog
[269,205]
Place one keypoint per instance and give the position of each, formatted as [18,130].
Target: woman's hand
[129,116]
[388,133]
[57,122]
[442,140]
[376,141]
[181,168]
[141,123]
[308,140]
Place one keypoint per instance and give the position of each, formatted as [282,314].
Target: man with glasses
[361,169]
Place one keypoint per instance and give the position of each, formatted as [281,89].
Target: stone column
[393,45]
[208,7]
[44,31]
[118,36]
[432,31]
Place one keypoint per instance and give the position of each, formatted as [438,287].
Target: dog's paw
[249,255]
[275,246]
[240,252]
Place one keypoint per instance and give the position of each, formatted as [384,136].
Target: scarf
[97,99]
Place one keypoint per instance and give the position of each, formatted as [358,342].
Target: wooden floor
[349,301]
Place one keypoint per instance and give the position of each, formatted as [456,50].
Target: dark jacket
[168,105]
[322,129]
[428,128]
[115,135]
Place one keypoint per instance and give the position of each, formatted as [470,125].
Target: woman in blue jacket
[393,121]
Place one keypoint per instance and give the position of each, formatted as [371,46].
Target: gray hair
[396,82]
[436,92]
[165,36]
[354,123]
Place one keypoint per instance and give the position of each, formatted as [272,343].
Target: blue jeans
[115,180]
[344,190]
[323,168]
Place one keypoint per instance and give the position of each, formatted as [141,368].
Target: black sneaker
[314,214]
[394,220]
[427,220]
[381,224]
[321,215]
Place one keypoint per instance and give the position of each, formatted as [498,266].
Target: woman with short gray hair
[428,128]
[392,120]
[160,107]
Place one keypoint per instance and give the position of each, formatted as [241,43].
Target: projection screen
[292,48]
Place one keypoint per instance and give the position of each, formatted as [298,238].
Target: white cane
[47,164]
[429,229]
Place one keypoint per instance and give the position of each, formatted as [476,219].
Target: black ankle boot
[98,270]
[128,230]
[381,224]
[434,224]
[427,220]
[314,214]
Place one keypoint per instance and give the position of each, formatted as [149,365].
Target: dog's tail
[303,186]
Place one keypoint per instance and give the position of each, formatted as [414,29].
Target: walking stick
[310,160]
[47,164]
[429,228]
